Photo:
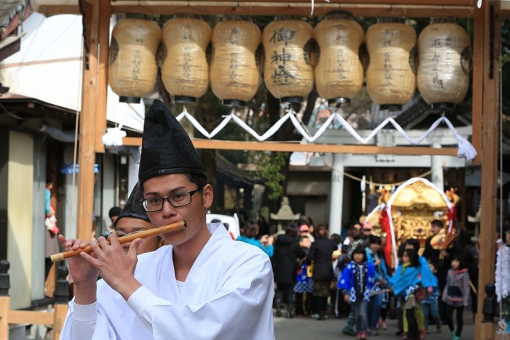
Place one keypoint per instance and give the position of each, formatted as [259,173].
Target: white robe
[228,294]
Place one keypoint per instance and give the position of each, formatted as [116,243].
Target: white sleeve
[86,322]
[241,309]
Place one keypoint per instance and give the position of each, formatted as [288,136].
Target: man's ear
[208,195]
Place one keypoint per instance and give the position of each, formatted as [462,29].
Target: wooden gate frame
[55,318]
[485,104]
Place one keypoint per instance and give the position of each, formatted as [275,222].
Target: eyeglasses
[177,200]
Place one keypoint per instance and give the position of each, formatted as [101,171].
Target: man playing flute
[203,285]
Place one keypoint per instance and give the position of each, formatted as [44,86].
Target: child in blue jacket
[404,282]
[356,283]
[381,278]
[428,280]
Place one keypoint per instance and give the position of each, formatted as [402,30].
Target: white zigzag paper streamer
[466,150]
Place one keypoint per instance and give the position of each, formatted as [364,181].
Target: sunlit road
[311,329]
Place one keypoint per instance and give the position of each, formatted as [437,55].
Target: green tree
[269,165]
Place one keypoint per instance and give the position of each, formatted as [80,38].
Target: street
[308,329]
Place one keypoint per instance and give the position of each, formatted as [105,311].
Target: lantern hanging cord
[75,149]
[84,34]
[425,174]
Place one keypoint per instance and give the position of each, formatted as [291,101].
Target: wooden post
[4,299]
[102,77]
[478,73]
[87,155]
[62,297]
[487,238]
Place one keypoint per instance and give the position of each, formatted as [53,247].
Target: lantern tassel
[113,137]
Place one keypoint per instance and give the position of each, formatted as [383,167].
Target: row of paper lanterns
[289,65]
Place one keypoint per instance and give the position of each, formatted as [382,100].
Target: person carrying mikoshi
[203,285]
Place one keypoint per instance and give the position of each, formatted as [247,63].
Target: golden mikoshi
[132,58]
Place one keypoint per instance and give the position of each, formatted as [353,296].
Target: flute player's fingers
[114,240]
[99,247]
[91,258]
[133,247]
[64,242]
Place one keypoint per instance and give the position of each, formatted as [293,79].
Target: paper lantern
[132,57]
[443,72]
[339,73]
[235,75]
[391,80]
[185,71]
[288,71]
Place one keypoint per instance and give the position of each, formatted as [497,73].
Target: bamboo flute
[128,238]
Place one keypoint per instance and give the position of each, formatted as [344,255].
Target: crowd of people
[317,274]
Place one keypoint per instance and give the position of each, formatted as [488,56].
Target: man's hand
[264,240]
[444,253]
[115,266]
[82,272]
[378,262]
[346,298]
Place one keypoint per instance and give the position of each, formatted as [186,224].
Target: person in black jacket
[321,254]
[287,251]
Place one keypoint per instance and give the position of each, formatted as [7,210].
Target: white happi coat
[228,294]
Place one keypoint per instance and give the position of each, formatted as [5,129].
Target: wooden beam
[87,155]
[477,101]
[30,317]
[59,317]
[489,158]
[4,312]
[296,147]
[340,4]
[102,76]
[461,8]
[300,7]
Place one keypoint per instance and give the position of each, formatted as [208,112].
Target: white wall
[48,67]
[19,212]
[38,216]
[71,197]
[132,174]
[110,198]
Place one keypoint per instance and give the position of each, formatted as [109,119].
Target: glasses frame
[143,201]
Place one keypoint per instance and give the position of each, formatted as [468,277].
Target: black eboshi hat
[133,207]
[166,147]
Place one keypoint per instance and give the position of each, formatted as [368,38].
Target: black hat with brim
[133,207]
[166,147]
